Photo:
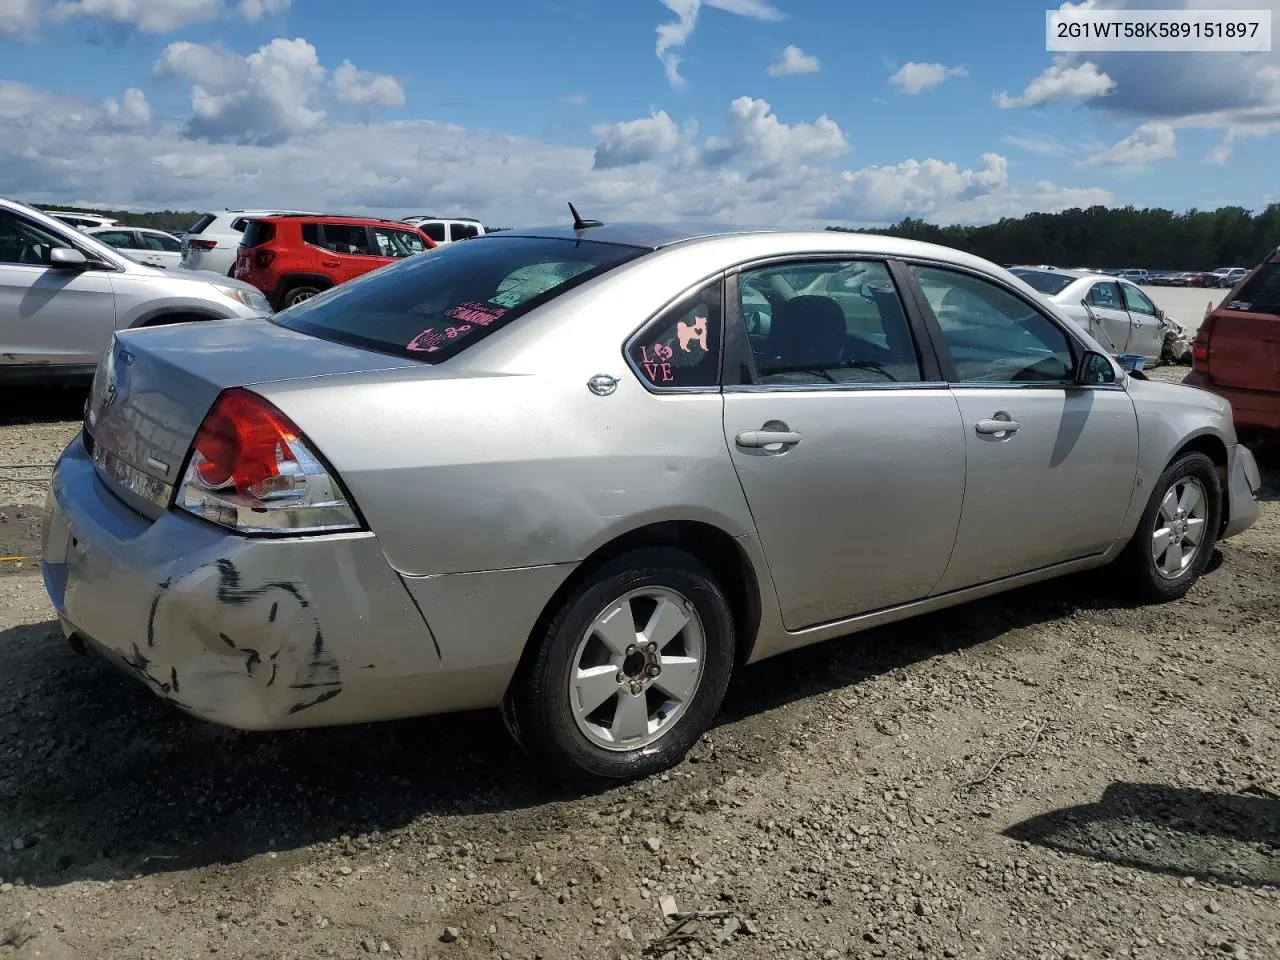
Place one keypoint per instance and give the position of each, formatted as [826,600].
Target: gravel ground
[1047,774]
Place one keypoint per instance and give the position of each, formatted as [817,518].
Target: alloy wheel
[1180,527]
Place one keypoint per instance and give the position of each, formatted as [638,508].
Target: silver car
[583,474]
[63,293]
[1114,310]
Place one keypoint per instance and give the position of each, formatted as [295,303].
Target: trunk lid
[155,386]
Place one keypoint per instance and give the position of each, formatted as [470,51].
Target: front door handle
[997,425]
[330,263]
[767,438]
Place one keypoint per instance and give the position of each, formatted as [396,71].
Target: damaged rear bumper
[250,633]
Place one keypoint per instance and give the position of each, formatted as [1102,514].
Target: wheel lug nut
[622,677]
[653,647]
[653,670]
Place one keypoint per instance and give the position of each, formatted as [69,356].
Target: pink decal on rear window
[428,341]
[478,313]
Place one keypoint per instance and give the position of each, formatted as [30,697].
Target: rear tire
[1175,537]
[298,294]
[628,673]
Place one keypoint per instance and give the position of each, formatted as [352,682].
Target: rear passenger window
[681,348]
[463,231]
[433,230]
[122,239]
[838,321]
[346,238]
[1106,295]
[311,234]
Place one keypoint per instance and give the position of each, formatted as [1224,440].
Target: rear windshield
[1260,293]
[1046,283]
[434,305]
[199,225]
[257,233]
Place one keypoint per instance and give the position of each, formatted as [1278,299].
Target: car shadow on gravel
[1185,832]
[101,780]
[21,405]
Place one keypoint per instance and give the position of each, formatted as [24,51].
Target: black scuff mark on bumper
[230,589]
[155,605]
[251,659]
[327,695]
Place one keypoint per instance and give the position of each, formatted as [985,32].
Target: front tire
[1175,537]
[629,672]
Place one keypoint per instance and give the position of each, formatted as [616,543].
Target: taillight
[1200,346]
[263,258]
[251,471]
[202,244]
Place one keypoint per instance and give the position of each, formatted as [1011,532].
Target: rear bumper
[1250,409]
[250,633]
[1243,483]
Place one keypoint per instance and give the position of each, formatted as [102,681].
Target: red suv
[291,258]
[1236,353]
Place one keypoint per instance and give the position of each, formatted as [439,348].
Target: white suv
[213,241]
[82,221]
[447,229]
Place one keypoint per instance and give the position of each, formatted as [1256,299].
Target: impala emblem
[602,384]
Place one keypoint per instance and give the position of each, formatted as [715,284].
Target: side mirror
[1095,369]
[67,258]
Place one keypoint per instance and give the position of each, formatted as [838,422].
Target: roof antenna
[579,223]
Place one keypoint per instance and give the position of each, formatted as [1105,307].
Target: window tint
[1261,294]
[21,241]
[239,224]
[681,348]
[199,225]
[1136,301]
[167,242]
[463,231]
[1106,295]
[311,234]
[828,322]
[992,335]
[430,308]
[1043,282]
[396,243]
[121,239]
[433,230]
[346,238]
[258,232]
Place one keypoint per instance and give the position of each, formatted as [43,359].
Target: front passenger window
[992,335]
[24,243]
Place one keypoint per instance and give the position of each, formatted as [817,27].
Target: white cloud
[673,36]
[1060,82]
[59,149]
[635,141]
[255,10]
[1147,144]
[766,145]
[263,98]
[1041,146]
[132,110]
[366,89]
[1219,155]
[915,78]
[149,16]
[575,99]
[19,18]
[793,61]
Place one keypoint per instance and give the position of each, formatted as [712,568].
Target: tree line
[1111,237]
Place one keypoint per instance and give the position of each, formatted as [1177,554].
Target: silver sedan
[582,474]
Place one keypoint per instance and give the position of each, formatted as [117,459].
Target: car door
[1113,327]
[1051,464]
[848,445]
[1146,330]
[49,315]
[349,252]
[162,249]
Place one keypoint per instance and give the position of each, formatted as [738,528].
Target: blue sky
[799,111]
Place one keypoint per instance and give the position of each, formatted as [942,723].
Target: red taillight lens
[262,259]
[251,470]
[202,244]
[1200,346]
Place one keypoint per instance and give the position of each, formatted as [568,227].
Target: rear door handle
[330,263]
[767,438]
[994,426]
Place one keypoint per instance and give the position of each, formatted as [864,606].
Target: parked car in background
[81,221]
[292,258]
[1189,278]
[1160,279]
[1226,276]
[64,292]
[568,473]
[213,241]
[1236,353]
[155,248]
[1134,275]
[447,229]
[1114,310]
